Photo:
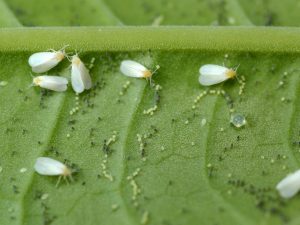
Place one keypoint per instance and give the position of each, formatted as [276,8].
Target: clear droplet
[238,120]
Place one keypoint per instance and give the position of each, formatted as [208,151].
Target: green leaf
[63,13]
[130,12]
[272,13]
[7,19]
[185,164]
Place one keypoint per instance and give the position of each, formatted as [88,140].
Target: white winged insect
[80,77]
[132,68]
[41,62]
[214,74]
[290,185]
[51,167]
[54,83]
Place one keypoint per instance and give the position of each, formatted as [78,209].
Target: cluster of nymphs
[42,62]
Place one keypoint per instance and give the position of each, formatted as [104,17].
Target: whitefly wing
[43,61]
[290,185]
[212,74]
[39,58]
[132,69]
[85,76]
[48,166]
[54,83]
[76,80]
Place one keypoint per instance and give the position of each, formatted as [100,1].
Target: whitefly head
[230,73]
[37,81]
[75,60]
[61,53]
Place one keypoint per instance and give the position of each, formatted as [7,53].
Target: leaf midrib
[167,38]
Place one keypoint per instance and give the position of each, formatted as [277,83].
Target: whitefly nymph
[51,167]
[214,74]
[54,83]
[290,185]
[80,76]
[132,68]
[41,62]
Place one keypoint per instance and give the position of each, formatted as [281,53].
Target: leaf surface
[186,163]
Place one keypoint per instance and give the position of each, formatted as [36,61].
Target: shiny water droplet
[238,120]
